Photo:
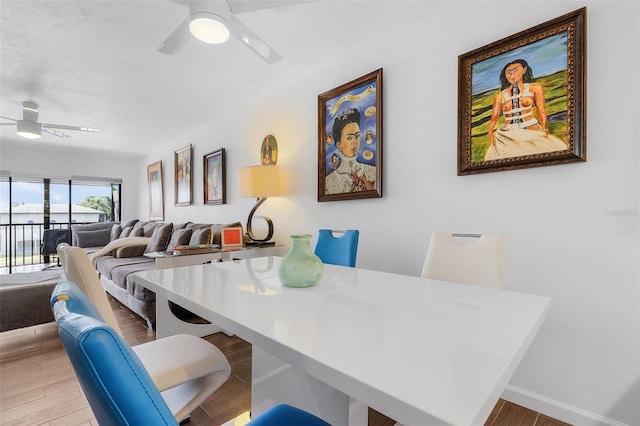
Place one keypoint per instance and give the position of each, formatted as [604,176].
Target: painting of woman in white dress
[521,105]
[521,100]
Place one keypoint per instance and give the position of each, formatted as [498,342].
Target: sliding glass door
[29,207]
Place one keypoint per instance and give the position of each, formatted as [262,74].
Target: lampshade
[259,181]
[29,129]
[209,21]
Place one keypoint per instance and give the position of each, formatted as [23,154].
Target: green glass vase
[300,267]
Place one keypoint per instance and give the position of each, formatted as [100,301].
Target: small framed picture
[183,159]
[231,237]
[269,151]
[214,177]
[156,204]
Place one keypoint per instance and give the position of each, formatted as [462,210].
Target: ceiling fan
[29,127]
[213,21]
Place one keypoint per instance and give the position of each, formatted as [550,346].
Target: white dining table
[420,351]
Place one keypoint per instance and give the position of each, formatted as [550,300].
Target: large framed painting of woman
[522,99]
[350,140]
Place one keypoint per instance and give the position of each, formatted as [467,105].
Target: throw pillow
[126,231]
[160,238]
[200,236]
[181,226]
[140,224]
[116,230]
[129,223]
[149,227]
[137,232]
[179,237]
[131,251]
[93,238]
[195,226]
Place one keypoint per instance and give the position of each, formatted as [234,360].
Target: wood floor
[38,386]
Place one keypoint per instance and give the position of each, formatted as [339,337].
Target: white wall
[573,230]
[40,159]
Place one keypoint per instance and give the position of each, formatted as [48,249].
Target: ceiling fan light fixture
[209,27]
[29,129]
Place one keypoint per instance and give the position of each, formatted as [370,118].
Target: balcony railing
[21,244]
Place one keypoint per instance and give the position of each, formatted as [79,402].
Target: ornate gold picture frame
[522,99]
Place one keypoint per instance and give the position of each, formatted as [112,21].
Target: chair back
[337,250]
[73,300]
[468,259]
[116,384]
[78,268]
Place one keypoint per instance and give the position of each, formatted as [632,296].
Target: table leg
[275,382]
[167,324]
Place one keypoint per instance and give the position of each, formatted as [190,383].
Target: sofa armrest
[119,243]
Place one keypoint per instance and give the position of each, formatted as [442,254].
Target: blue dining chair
[186,369]
[337,250]
[119,389]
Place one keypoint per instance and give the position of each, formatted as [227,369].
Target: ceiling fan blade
[7,124]
[177,40]
[54,132]
[65,127]
[250,39]
[242,6]
[8,118]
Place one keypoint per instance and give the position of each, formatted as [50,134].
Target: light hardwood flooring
[38,386]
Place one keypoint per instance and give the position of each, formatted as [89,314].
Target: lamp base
[266,218]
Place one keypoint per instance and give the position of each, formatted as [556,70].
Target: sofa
[25,305]
[123,252]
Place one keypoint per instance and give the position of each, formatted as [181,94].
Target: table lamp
[259,182]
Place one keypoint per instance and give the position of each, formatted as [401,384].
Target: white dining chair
[477,259]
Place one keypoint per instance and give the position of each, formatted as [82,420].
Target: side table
[172,259]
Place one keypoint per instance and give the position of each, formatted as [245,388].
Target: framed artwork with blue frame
[521,100]
[350,140]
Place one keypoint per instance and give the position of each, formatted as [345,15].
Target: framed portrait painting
[350,140]
[269,151]
[521,100]
[214,177]
[183,160]
[156,189]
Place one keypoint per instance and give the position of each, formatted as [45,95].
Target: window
[28,206]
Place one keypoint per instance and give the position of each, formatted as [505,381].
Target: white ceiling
[94,63]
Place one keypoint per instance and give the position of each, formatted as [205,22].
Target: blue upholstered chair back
[341,250]
[116,384]
[286,415]
[75,300]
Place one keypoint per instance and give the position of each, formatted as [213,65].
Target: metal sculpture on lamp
[259,182]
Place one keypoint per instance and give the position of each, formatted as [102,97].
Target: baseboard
[556,409]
